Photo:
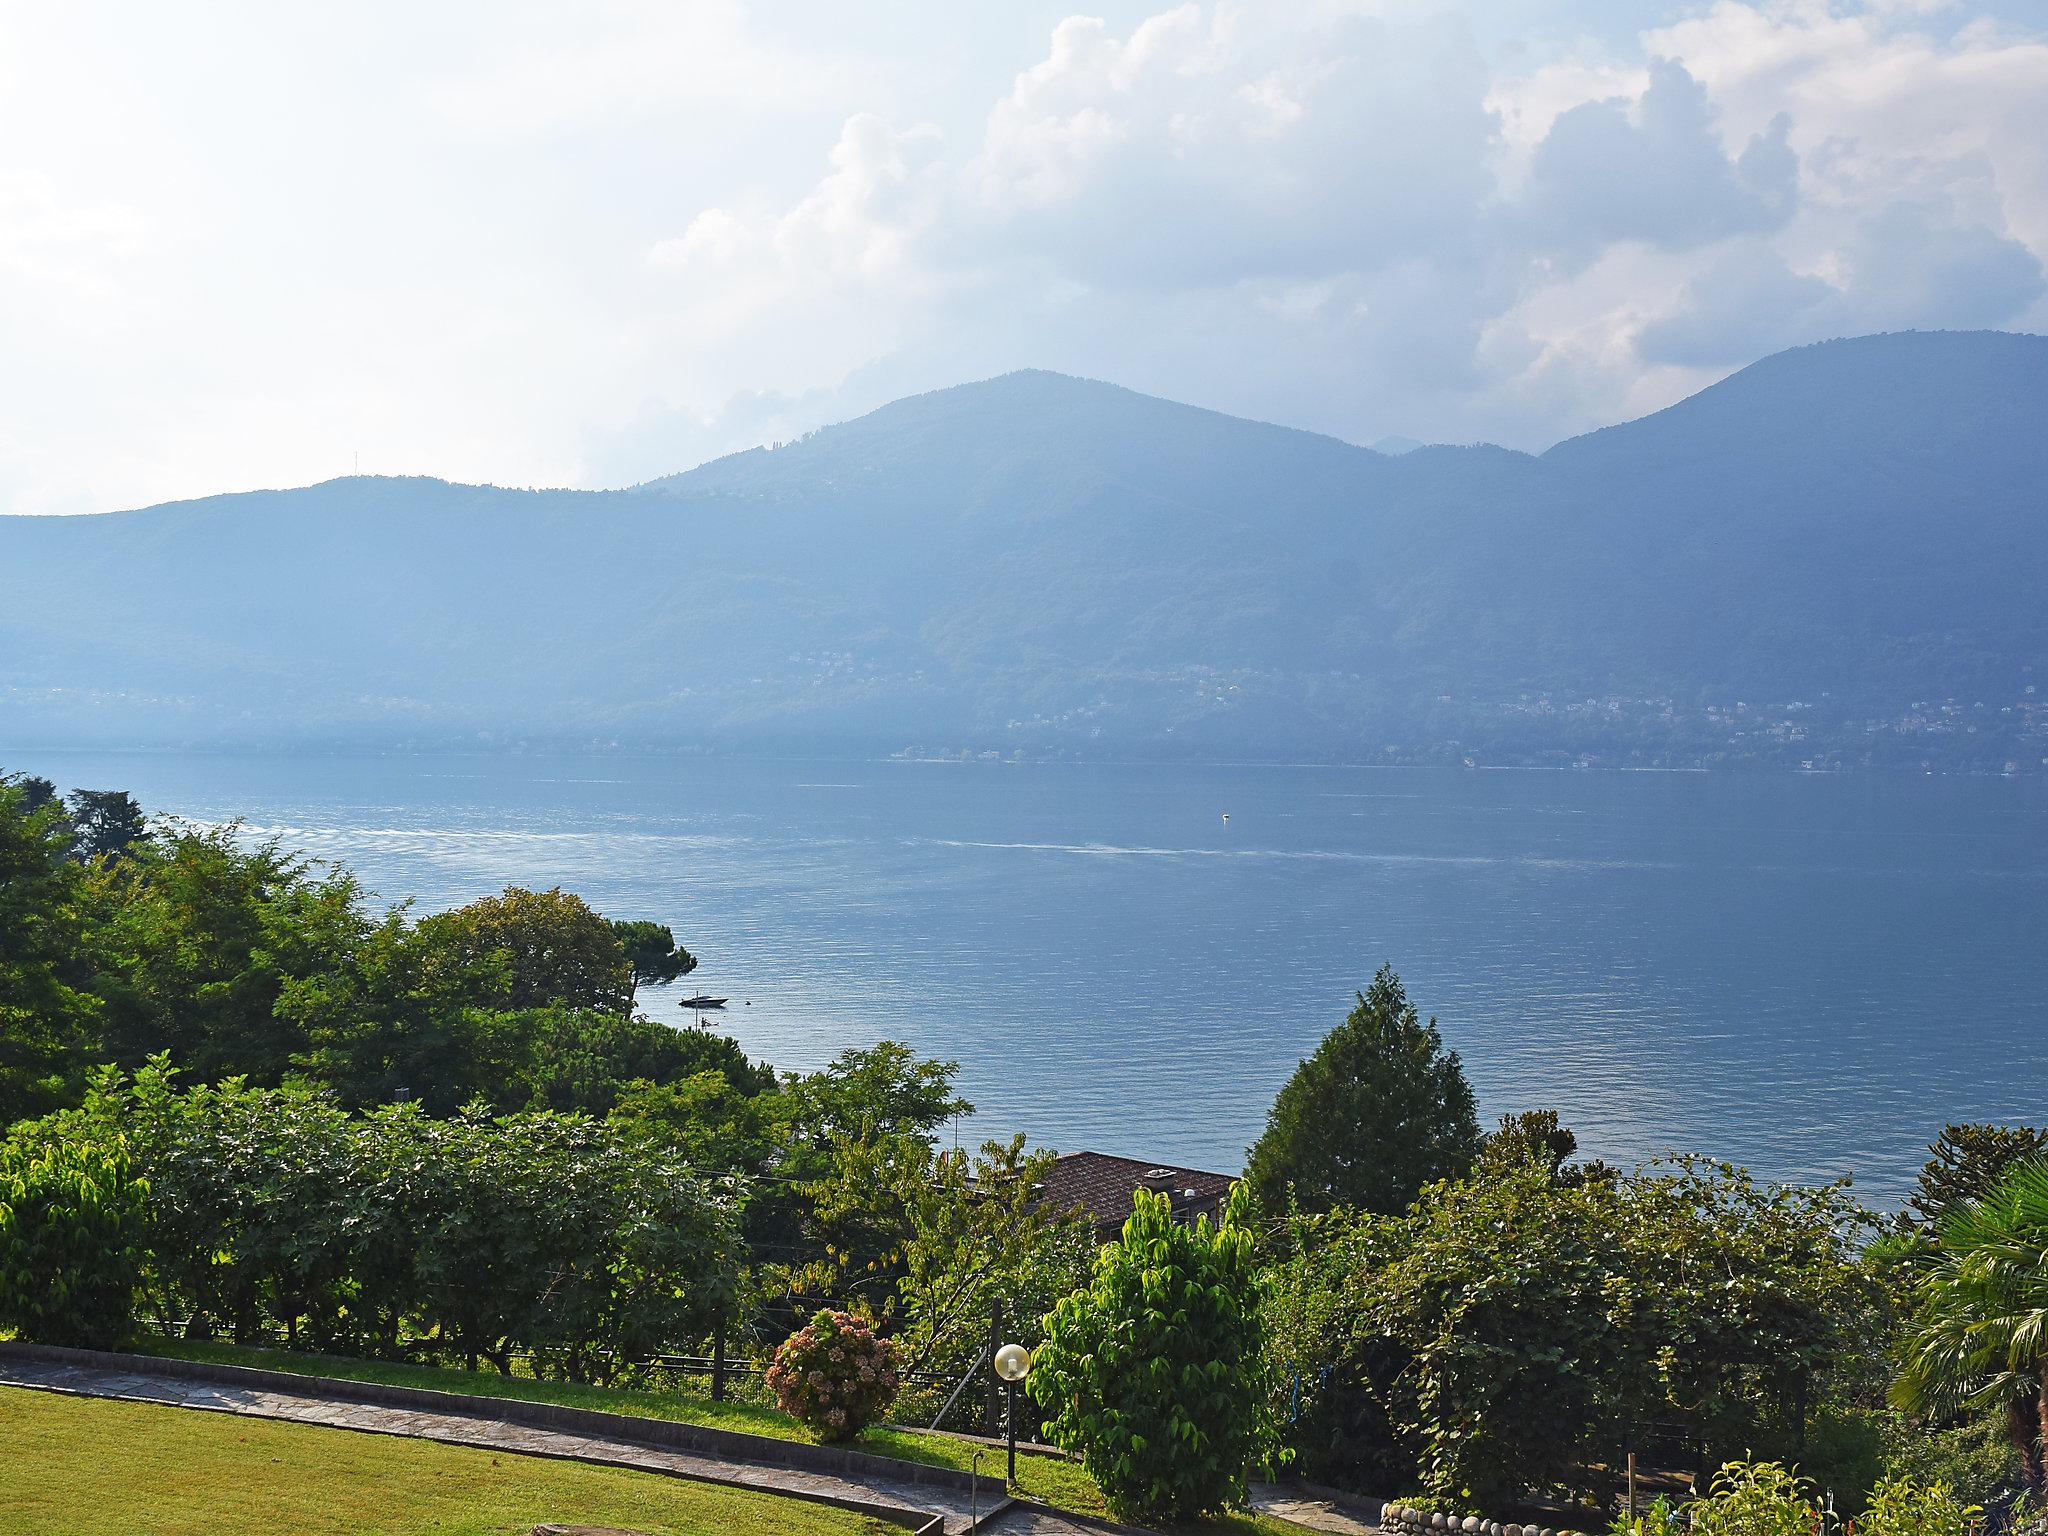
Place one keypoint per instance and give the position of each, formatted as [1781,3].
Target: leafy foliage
[929,1241]
[1901,1507]
[1379,1111]
[48,1017]
[105,823]
[70,1215]
[878,1090]
[1764,1498]
[555,1234]
[1975,1456]
[835,1375]
[1516,1330]
[652,952]
[1967,1162]
[242,959]
[551,946]
[1537,1137]
[194,941]
[1979,1339]
[1756,1498]
[1154,1372]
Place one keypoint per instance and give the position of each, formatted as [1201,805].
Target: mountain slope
[1039,563]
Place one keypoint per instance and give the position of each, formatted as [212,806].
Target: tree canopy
[1380,1110]
[1968,1162]
[48,1014]
[551,946]
[1979,1338]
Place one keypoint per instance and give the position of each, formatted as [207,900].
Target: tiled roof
[1103,1186]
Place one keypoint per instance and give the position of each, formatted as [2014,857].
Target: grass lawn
[85,1467]
[1049,1479]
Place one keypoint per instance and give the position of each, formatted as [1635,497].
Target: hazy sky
[586,244]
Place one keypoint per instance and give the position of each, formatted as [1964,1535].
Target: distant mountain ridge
[1837,555]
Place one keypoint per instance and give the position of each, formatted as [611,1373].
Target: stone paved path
[456,1428]
[1308,1509]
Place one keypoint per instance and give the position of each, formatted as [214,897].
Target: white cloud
[524,243]
[1653,169]
[1427,244]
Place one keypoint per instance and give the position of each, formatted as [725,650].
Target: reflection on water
[1806,974]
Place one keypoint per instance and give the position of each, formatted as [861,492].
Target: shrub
[70,1216]
[1901,1507]
[555,1235]
[1756,1498]
[834,1375]
[1762,1498]
[1844,1453]
[1155,1372]
[1331,1375]
[1974,1457]
[1662,1518]
[1518,1329]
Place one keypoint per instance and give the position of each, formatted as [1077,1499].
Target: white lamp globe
[1013,1362]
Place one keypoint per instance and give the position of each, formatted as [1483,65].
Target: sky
[247,245]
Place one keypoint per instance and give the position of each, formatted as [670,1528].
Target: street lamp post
[1013,1364]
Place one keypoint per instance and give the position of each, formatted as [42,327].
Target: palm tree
[1980,1337]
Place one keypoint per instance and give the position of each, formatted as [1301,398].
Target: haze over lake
[1805,973]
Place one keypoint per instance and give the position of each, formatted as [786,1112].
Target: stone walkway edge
[739,1453]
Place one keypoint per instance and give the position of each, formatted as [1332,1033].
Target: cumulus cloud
[532,244]
[1427,245]
[1224,145]
[1652,168]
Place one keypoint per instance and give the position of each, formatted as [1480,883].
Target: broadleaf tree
[1155,1371]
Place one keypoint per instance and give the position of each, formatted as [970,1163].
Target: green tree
[387,1011]
[1979,1338]
[553,948]
[36,790]
[1967,1162]
[194,939]
[710,1122]
[1380,1110]
[1155,1372]
[47,1017]
[1534,1136]
[653,953]
[1493,1296]
[1748,1305]
[1516,1330]
[929,1240]
[586,1061]
[885,1089]
[70,1218]
[106,822]
[555,1234]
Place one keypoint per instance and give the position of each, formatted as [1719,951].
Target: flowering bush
[835,1375]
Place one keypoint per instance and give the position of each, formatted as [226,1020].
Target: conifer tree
[1380,1110]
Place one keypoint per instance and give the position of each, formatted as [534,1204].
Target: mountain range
[1838,555]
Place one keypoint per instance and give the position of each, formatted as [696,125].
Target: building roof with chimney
[1105,1187]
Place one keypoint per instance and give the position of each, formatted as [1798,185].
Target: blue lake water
[1806,974]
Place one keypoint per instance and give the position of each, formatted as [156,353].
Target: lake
[1806,974]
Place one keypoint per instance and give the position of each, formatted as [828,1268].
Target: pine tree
[1380,1110]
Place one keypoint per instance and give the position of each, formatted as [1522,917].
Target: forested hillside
[1836,555]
